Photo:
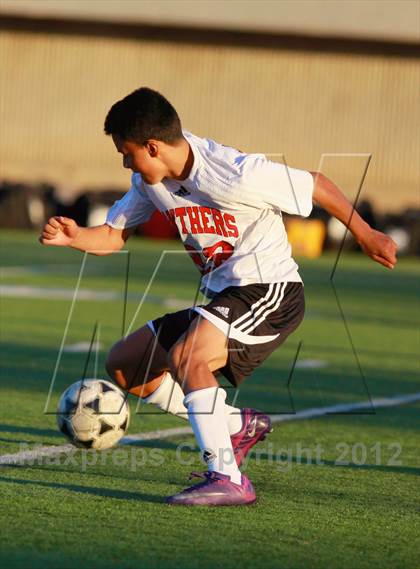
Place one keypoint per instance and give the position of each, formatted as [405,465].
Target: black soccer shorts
[256,319]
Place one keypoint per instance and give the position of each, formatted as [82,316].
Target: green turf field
[335,491]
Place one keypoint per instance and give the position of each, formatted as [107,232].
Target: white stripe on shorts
[242,320]
[250,322]
[269,310]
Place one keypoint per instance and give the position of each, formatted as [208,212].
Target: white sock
[206,412]
[170,398]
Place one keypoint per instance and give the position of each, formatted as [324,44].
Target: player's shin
[206,412]
[169,397]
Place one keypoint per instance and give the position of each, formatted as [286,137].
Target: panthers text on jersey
[228,213]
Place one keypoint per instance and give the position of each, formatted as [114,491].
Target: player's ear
[152,148]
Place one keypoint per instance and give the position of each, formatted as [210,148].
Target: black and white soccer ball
[93,413]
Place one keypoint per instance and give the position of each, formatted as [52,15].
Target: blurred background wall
[302,79]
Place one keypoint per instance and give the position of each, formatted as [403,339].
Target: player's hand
[379,247]
[59,231]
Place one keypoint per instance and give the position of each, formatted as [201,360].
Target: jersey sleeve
[281,187]
[131,210]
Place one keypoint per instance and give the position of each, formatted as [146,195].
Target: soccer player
[227,206]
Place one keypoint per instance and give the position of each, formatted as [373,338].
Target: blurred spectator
[25,206]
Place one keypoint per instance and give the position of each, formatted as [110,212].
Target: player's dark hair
[142,115]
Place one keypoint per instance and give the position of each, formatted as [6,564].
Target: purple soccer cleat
[255,426]
[216,490]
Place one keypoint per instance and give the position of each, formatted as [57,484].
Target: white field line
[54,293]
[51,451]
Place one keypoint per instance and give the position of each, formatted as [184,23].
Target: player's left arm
[380,247]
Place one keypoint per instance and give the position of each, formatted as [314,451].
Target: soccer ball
[93,413]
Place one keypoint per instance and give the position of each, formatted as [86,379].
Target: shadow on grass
[156,475]
[29,431]
[14,441]
[103,492]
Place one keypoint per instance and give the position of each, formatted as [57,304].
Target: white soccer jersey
[228,213]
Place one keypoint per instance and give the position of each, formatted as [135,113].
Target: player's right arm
[101,240]
[134,208]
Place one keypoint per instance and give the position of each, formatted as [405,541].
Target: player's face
[139,159]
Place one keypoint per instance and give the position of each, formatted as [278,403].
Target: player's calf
[125,376]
